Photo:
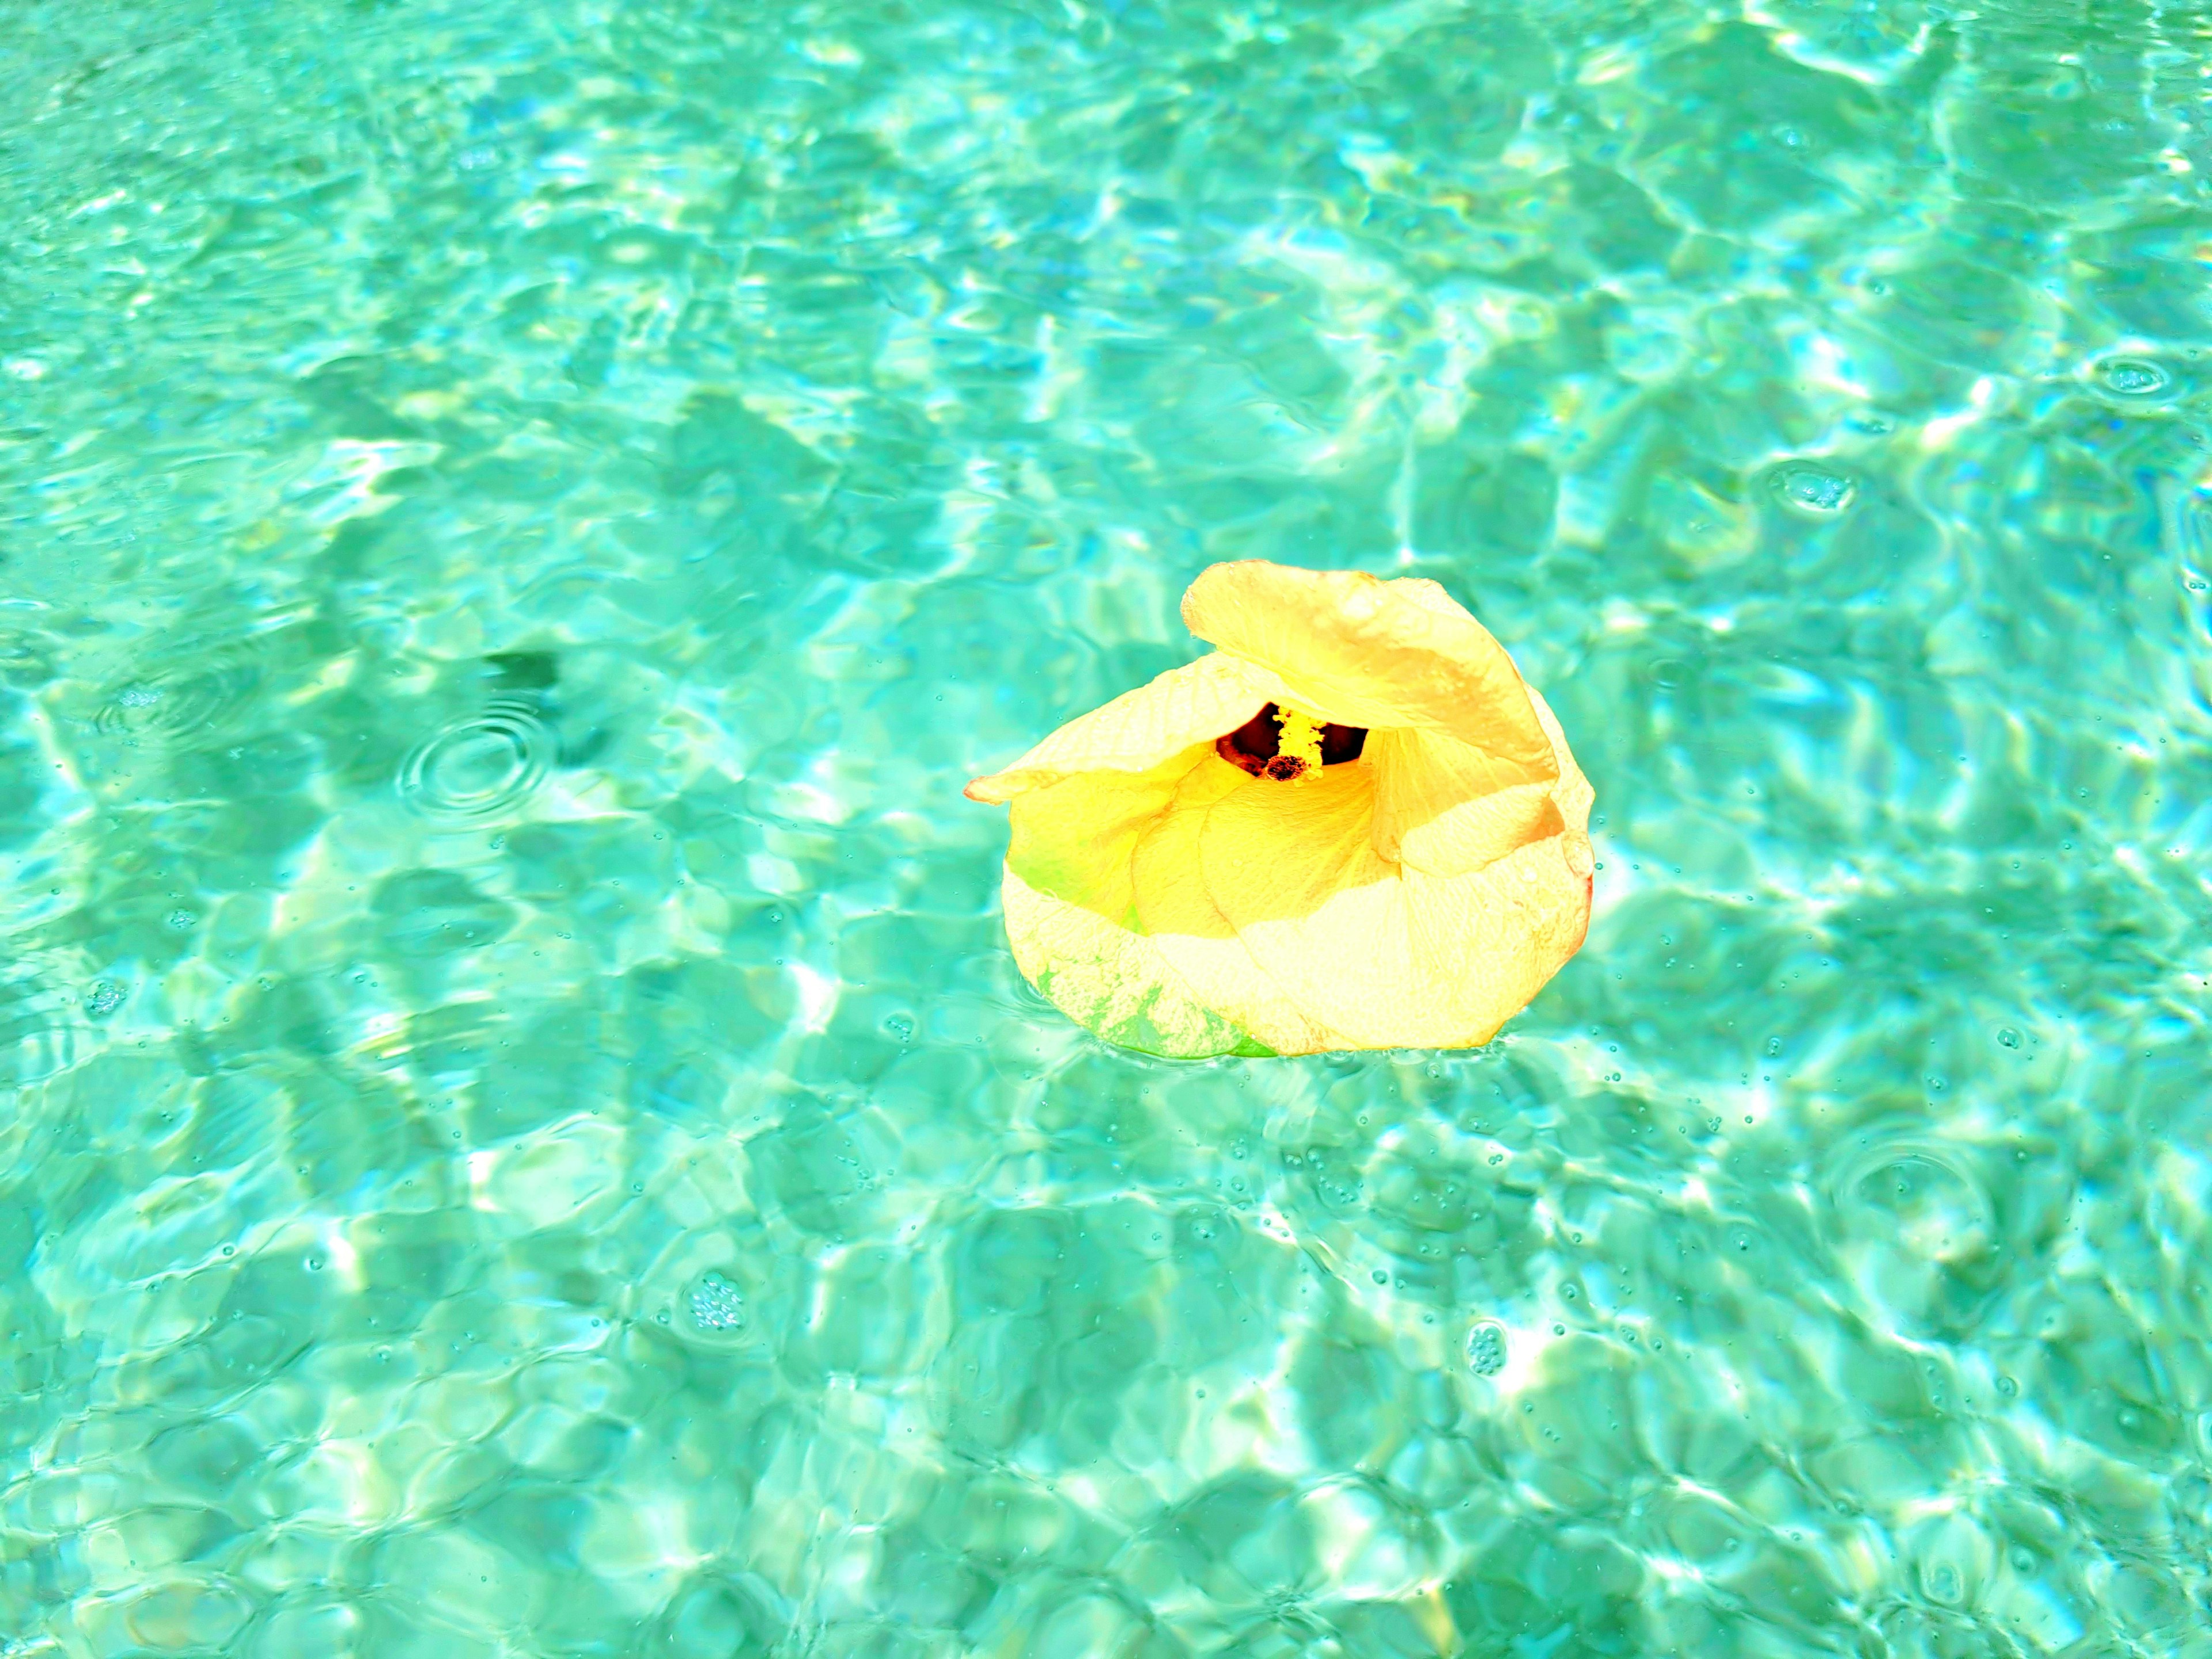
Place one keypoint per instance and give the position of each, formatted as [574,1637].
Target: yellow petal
[1181,918]
[1364,651]
[1139,729]
[1072,916]
[1445,809]
[1072,839]
[1111,981]
[1388,957]
[1573,794]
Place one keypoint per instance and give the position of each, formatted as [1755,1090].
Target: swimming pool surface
[519,1133]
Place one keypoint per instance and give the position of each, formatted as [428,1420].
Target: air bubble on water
[901,1027]
[1486,1349]
[190,690]
[106,997]
[2133,377]
[181,919]
[717,1305]
[1814,488]
[2008,1036]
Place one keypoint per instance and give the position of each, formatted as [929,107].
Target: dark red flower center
[1256,746]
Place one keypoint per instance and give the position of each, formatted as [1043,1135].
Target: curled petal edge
[1196,703]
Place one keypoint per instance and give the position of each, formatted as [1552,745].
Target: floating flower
[1353,826]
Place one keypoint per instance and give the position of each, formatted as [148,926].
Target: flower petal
[1180,917]
[1111,981]
[1572,793]
[1363,652]
[1073,839]
[1139,729]
[1445,809]
[1072,913]
[1388,957]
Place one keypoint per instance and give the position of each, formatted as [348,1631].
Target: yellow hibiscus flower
[1353,826]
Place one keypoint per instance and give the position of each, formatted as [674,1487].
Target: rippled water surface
[520,1134]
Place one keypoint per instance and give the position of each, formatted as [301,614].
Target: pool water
[519,1133]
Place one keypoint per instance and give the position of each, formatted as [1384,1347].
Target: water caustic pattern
[520,1133]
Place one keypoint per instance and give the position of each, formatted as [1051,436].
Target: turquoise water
[521,1135]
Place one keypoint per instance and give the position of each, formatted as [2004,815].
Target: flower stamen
[1288,743]
[1300,743]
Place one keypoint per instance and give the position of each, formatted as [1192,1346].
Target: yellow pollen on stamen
[1300,739]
